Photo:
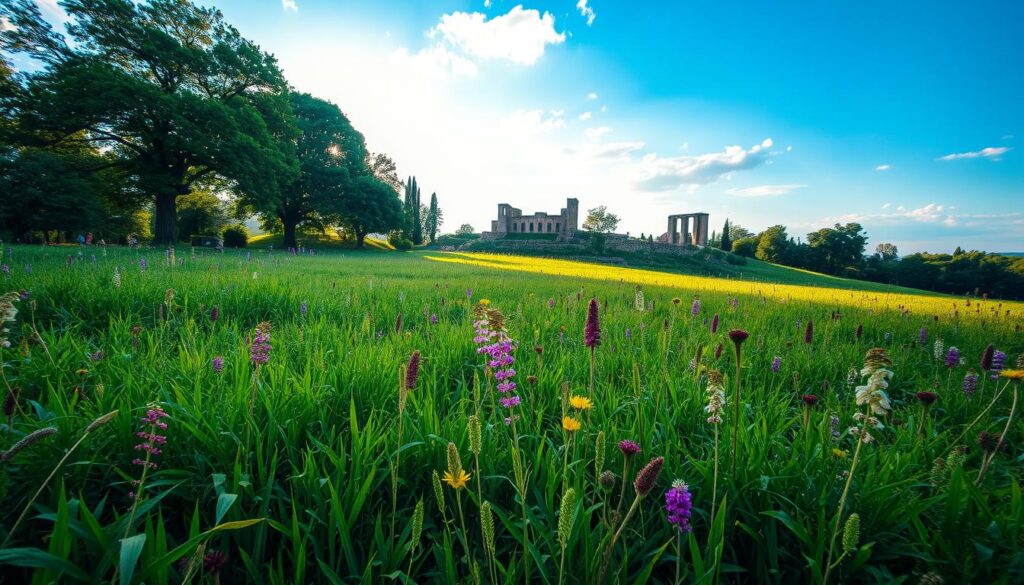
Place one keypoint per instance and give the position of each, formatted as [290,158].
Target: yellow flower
[484,302]
[581,403]
[839,453]
[457,481]
[83,372]
[1012,374]
[570,424]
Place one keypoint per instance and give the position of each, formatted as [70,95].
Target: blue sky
[904,116]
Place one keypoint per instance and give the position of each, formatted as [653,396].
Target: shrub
[736,260]
[402,244]
[236,236]
[597,243]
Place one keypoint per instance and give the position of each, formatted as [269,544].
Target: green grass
[293,469]
[328,241]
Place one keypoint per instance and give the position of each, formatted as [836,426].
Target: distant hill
[1014,254]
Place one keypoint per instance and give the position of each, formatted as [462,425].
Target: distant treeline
[840,251]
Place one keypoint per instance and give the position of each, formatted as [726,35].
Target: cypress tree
[432,218]
[726,240]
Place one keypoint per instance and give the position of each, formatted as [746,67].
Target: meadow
[378,417]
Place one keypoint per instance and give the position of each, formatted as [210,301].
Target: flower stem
[842,503]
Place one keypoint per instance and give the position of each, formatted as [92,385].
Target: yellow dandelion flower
[484,302]
[570,424]
[457,481]
[581,403]
[839,453]
[1012,374]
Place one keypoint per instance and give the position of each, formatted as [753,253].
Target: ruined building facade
[512,221]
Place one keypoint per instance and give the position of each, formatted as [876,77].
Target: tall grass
[298,472]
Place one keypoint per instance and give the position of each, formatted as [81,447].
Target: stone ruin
[512,221]
[680,234]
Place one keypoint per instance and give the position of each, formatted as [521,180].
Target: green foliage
[175,95]
[597,243]
[599,220]
[402,244]
[200,213]
[235,236]
[465,230]
[726,242]
[746,247]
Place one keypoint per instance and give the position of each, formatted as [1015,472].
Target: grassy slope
[329,241]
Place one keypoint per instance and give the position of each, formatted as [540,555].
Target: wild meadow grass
[275,418]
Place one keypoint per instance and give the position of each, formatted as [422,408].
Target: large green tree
[372,206]
[331,155]
[174,94]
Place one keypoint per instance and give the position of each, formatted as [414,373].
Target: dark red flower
[648,476]
[809,399]
[927,398]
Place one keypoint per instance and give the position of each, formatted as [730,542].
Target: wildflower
[927,398]
[412,371]
[646,477]
[303,308]
[151,441]
[457,480]
[833,424]
[922,335]
[986,358]
[474,432]
[970,384]
[638,299]
[599,451]
[998,363]
[486,525]
[214,561]
[581,402]
[259,351]
[82,372]
[809,400]
[776,364]
[1016,375]
[679,505]
[142,264]
[695,308]
[592,332]
[989,442]
[738,336]
[938,349]
[214,314]
[839,453]
[551,303]
[116,278]
[218,364]
[629,448]
[570,424]
[716,397]
[952,357]
[809,332]
[8,312]
[859,332]
[714,324]
[606,480]
[718,351]
[676,300]
[872,394]
[629,333]
[510,401]
[433,318]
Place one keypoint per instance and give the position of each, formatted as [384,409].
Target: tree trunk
[360,236]
[166,218]
[289,234]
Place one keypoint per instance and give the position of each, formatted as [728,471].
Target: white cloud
[487,3]
[585,116]
[991,153]
[764,190]
[886,205]
[883,167]
[586,11]
[519,36]
[591,96]
[289,5]
[932,213]
[595,133]
[5,24]
[668,173]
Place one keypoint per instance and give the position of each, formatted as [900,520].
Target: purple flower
[433,318]
[679,505]
[952,357]
[151,441]
[998,363]
[970,383]
[5,269]
[303,308]
[592,332]
[412,372]
[469,293]
[833,423]
[23,295]
[214,314]
[809,332]
[551,303]
[735,302]
[922,335]
[695,307]
[714,324]
[142,264]
[218,364]
[259,351]
[776,364]
[510,401]
[629,333]
[96,356]
[629,448]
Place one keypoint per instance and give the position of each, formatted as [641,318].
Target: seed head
[474,431]
[648,476]
[566,516]
[851,532]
